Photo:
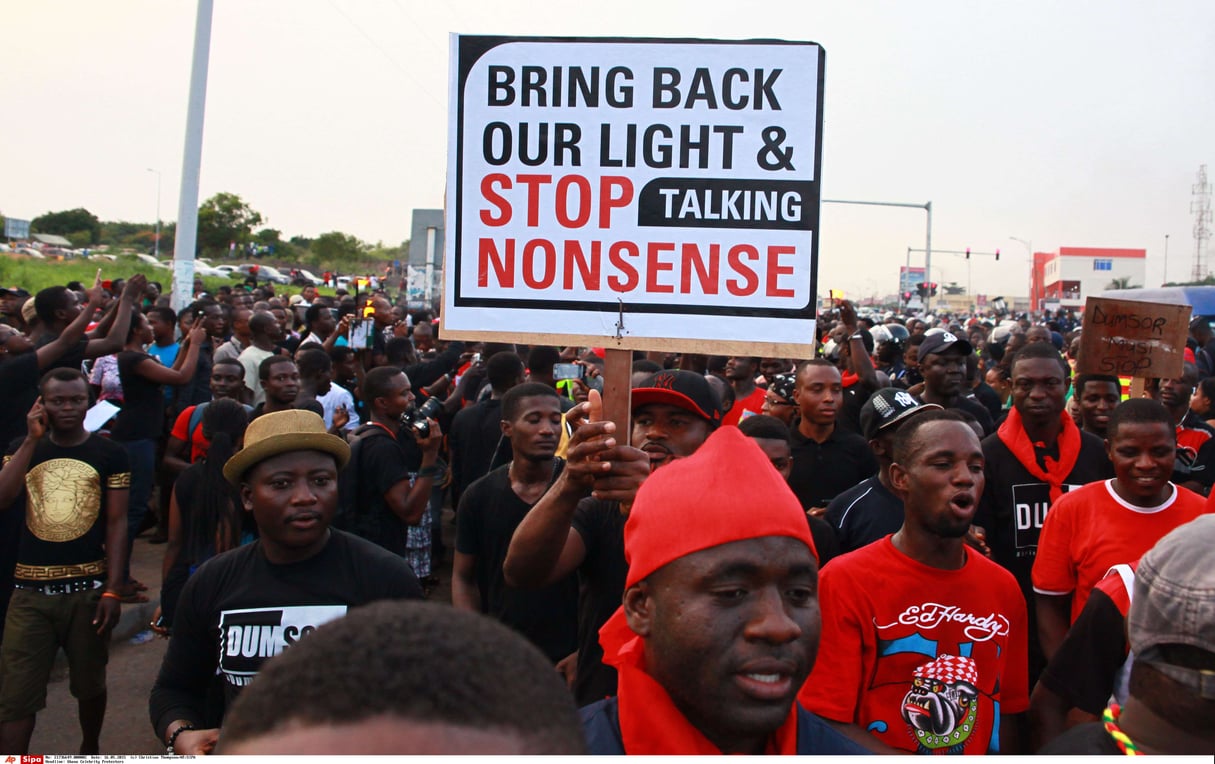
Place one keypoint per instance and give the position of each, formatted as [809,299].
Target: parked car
[305,277]
[265,273]
[145,258]
[228,270]
[202,269]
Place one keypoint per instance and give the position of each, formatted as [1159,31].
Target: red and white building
[1072,274]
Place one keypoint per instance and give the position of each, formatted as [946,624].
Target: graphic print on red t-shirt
[927,660]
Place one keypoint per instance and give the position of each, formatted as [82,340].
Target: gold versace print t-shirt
[66,493]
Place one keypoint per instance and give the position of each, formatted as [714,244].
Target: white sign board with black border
[635,193]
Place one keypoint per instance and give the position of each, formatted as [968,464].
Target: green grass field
[34,275]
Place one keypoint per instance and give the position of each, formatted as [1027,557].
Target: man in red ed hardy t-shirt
[924,639]
[1110,522]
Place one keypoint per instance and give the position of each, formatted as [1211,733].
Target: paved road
[133,667]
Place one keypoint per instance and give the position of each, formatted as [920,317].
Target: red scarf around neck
[1012,434]
[650,723]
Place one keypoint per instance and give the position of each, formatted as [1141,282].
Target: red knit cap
[727,491]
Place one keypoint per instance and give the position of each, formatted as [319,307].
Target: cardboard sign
[638,193]
[1133,339]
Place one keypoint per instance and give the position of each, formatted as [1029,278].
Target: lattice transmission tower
[1200,206]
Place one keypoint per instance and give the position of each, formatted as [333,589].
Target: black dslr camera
[415,418]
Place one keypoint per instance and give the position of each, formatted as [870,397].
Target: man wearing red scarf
[1036,456]
[720,621]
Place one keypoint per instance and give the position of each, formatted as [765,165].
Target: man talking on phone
[70,563]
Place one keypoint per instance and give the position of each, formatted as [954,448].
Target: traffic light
[968,253]
[906,296]
[921,289]
[932,289]
[997,254]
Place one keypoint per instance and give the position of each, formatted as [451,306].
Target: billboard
[16,229]
[909,278]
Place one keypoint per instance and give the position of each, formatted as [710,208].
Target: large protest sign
[634,193]
[1128,338]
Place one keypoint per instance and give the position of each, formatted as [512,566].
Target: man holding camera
[391,472]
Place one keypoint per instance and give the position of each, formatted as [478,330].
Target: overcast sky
[1061,123]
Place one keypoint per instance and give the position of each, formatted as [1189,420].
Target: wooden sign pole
[617,401]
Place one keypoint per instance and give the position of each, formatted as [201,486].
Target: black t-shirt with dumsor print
[240,609]
[67,497]
[1015,502]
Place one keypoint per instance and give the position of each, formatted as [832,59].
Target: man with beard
[1036,456]
[943,364]
[1114,522]
[1195,465]
[720,618]
[493,507]
[748,398]
[578,525]
[924,639]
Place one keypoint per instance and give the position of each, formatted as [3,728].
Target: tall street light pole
[156,246]
[1165,280]
[927,207]
[1029,252]
[186,236]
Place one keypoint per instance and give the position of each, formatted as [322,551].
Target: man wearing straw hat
[256,600]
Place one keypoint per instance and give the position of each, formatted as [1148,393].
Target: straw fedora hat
[279,433]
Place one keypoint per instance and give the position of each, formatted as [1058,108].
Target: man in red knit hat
[720,621]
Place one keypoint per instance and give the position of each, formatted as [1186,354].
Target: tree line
[223,220]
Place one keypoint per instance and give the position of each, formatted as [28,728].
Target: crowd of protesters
[934,537]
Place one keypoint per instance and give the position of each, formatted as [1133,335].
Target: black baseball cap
[683,389]
[887,407]
[942,342]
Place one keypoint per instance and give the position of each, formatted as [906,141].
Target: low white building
[1073,274]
